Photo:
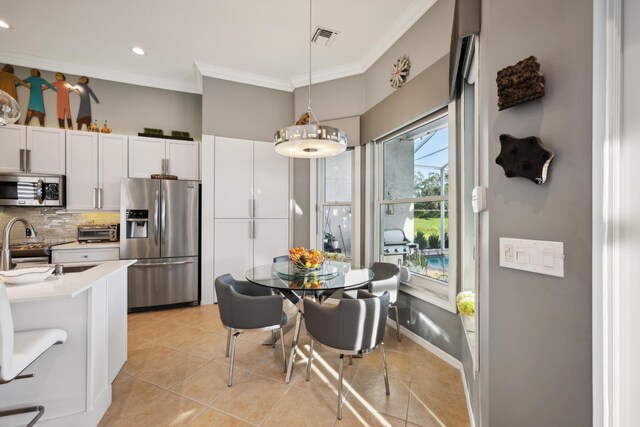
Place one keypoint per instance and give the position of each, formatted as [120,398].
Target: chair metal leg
[232,358]
[273,339]
[228,342]
[18,411]
[341,371]
[294,346]
[395,307]
[284,352]
[350,360]
[384,367]
[310,361]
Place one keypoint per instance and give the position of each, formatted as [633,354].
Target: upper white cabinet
[233,178]
[112,167]
[149,156]
[271,182]
[95,165]
[45,150]
[251,180]
[32,149]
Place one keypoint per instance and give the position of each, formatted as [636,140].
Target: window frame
[419,286]
[318,193]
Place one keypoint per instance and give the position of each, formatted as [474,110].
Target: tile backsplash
[52,225]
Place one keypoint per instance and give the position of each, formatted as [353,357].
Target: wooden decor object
[520,83]
[303,120]
[526,158]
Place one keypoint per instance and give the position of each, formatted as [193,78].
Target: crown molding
[32,61]
[237,76]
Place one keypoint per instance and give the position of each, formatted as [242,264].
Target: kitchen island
[72,380]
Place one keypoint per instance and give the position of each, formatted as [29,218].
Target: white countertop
[79,245]
[67,286]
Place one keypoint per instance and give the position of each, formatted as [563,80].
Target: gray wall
[536,329]
[425,94]
[238,110]
[425,42]
[333,99]
[128,108]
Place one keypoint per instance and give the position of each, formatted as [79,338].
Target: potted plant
[331,240]
[466,303]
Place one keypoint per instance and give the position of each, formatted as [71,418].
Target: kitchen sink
[78,268]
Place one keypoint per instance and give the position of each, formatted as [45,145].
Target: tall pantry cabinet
[246,198]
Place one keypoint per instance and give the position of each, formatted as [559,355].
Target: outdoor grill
[396,243]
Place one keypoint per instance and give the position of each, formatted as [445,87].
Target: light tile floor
[176,375]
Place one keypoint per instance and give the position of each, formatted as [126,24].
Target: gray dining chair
[386,278]
[245,306]
[281,258]
[352,327]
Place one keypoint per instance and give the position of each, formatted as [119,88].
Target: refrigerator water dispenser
[137,223]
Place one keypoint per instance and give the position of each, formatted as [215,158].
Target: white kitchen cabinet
[95,165]
[245,197]
[251,180]
[271,182]
[116,322]
[82,170]
[182,159]
[233,247]
[112,167]
[45,150]
[32,149]
[146,156]
[270,239]
[233,178]
[149,156]
[13,139]
[88,254]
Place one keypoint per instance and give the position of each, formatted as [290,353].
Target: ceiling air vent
[324,36]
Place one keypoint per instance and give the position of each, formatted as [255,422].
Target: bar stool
[18,350]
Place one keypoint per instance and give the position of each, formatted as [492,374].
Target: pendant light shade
[309,140]
[9,109]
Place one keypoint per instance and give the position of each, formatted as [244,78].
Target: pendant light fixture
[305,139]
[9,109]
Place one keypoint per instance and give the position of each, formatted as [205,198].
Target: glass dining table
[295,283]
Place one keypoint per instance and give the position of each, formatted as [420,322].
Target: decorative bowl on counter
[25,276]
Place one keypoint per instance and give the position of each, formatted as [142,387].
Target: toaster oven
[98,233]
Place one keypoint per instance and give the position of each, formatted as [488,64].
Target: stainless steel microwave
[32,190]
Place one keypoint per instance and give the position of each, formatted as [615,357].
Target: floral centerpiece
[306,259]
[466,303]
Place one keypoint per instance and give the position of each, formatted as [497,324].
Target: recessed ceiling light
[4,25]
[138,50]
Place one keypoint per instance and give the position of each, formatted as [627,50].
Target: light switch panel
[536,256]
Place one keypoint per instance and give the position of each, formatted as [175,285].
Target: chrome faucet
[6,251]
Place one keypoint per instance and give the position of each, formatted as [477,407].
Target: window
[415,195]
[336,226]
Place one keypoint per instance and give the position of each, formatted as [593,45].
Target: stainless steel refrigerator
[160,227]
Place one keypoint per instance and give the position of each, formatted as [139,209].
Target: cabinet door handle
[253,225]
[28,161]
[250,231]
[168,167]
[22,154]
[99,198]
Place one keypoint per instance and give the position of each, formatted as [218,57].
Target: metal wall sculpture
[525,157]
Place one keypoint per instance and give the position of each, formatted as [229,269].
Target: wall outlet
[535,256]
